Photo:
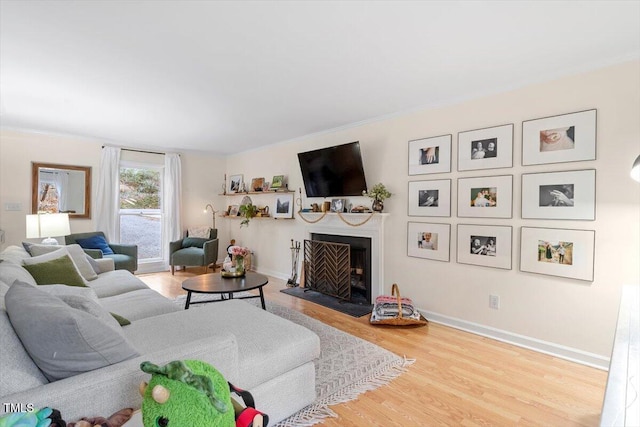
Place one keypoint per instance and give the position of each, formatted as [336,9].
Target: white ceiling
[232,76]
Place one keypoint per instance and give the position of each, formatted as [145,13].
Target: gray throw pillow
[63,341]
[77,254]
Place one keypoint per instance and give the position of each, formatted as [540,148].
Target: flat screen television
[333,171]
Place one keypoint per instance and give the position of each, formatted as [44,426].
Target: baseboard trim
[562,352]
[556,350]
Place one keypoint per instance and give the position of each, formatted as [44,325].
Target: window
[141,210]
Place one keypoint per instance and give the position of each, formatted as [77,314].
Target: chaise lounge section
[271,357]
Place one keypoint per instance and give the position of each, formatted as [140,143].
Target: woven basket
[395,311]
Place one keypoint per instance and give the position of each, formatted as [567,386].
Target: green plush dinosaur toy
[186,393]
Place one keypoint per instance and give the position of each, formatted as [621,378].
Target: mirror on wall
[61,189]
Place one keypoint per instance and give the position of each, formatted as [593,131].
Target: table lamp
[47,225]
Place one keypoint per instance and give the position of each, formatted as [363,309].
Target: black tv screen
[333,171]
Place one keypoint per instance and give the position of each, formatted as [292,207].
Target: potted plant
[378,193]
[247,211]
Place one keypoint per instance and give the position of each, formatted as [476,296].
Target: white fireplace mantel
[331,223]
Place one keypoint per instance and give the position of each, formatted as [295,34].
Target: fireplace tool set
[295,254]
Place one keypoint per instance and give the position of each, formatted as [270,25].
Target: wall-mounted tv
[333,171]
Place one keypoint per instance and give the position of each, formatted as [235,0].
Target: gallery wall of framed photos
[489,194]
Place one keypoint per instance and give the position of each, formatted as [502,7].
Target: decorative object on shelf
[558,139]
[213,214]
[557,252]
[430,198]
[378,193]
[489,148]
[338,205]
[233,210]
[295,253]
[277,182]
[224,185]
[263,211]
[235,184]
[485,197]
[283,206]
[485,245]
[257,184]
[265,186]
[430,155]
[247,211]
[47,225]
[559,195]
[428,240]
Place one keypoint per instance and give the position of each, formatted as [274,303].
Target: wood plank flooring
[458,379]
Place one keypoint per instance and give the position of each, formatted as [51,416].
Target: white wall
[571,318]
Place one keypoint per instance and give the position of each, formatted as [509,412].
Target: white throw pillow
[202,232]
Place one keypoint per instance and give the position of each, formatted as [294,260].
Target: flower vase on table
[235,268]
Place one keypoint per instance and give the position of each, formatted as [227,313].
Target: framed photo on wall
[557,252]
[485,245]
[235,184]
[430,155]
[559,195]
[428,240]
[430,198]
[485,197]
[489,148]
[558,139]
[283,206]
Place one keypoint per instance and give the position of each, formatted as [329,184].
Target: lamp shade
[47,225]
[635,169]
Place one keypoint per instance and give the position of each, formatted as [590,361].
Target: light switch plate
[13,206]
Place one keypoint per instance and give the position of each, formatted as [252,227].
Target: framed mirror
[61,189]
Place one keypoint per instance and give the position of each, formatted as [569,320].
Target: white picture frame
[540,252]
[496,148]
[430,155]
[486,197]
[430,198]
[235,184]
[283,206]
[492,250]
[559,195]
[559,139]
[429,241]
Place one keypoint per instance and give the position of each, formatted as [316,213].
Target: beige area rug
[347,367]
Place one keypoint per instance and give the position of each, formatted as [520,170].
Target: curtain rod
[140,151]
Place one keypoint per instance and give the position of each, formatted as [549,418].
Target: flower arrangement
[239,251]
[378,192]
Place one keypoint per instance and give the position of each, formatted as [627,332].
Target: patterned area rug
[348,366]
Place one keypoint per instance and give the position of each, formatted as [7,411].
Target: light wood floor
[458,379]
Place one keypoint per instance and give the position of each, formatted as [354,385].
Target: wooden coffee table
[214,283]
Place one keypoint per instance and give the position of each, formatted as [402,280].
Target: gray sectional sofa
[256,350]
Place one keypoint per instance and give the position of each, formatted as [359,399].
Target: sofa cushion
[14,254]
[193,242]
[59,270]
[96,242]
[19,373]
[139,304]
[84,299]
[116,282]
[76,253]
[10,272]
[61,340]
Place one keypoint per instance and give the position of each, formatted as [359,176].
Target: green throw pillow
[123,321]
[59,271]
[193,242]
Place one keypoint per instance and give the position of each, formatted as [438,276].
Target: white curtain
[108,194]
[172,199]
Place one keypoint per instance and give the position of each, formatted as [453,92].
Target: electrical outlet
[494,302]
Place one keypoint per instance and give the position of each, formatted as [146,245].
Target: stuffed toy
[192,393]
[185,394]
[45,417]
